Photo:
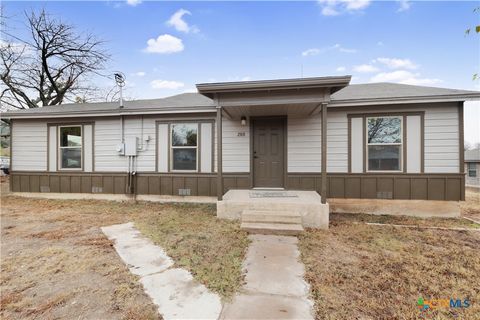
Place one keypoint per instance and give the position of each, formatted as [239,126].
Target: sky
[165,48]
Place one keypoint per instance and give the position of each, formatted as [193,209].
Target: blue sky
[164,48]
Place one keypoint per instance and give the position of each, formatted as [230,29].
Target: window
[70,148]
[184,146]
[384,143]
[472,169]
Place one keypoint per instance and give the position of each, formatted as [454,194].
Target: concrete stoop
[285,223]
[267,210]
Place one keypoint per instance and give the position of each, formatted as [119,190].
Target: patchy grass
[211,249]
[404,220]
[358,271]
[471,206]
[56,263]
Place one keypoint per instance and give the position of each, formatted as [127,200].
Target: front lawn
[56,263]
[359,271]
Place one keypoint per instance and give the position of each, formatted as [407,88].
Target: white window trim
[171,147]
[384,144]
[59,146]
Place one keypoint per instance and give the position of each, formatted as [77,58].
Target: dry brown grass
[211,249]
[471,207]
[55,248]
[357,271]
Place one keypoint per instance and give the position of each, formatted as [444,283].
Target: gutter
[403,100]
[117,112]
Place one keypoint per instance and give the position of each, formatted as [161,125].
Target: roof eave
[119,112]
[208,89]
[403,100]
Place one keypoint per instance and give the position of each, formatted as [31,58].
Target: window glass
[184,134]
[70,147]
[472,169]
[384,157]
[185,159]
[70,136]
[184,144]
[384,130]
[384,143]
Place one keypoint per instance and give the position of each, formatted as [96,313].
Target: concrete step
[280,229]
[266,216]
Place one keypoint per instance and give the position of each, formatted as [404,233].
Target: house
[472,168]
[378,147]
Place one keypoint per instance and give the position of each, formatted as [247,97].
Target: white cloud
[365,68]
[140,73]
[404,77]
[394,63]
[164,44]
[341,69]
[336,7]
[338,47]
[404,5]
[342,49]
[133,3]
[177,21]
[311,52]
[166,84]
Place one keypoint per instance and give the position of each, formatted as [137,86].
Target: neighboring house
[472,168]
[356,145]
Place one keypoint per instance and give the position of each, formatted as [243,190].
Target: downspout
[323,194]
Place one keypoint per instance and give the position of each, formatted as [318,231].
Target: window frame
[59,147]
[171,147]
[401,144]
[472,170]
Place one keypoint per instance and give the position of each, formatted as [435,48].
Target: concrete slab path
[173,290]
[274,288]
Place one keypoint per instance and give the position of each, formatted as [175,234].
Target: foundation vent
[384,195]
[44,189]
[184,192]
[97,189]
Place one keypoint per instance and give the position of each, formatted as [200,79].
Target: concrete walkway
[173,290]
[275,288]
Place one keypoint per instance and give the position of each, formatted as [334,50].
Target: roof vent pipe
[120,80]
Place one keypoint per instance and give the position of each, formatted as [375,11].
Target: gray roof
[387,92]
[472,155]
[184,101]
[351,95]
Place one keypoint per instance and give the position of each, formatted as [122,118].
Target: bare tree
[51,67]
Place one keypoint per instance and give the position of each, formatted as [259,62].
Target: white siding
[235,148]
[357,145]
[206,147]
[52,148]
[88,148]
[140,128]
[442,140]
[163,147]
[107,137]
[304,143]
[29,146]
[337,141]
[414,144]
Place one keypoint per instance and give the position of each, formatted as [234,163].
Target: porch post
[219,154]
[323,192]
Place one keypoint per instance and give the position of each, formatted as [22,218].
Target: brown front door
[268,152]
